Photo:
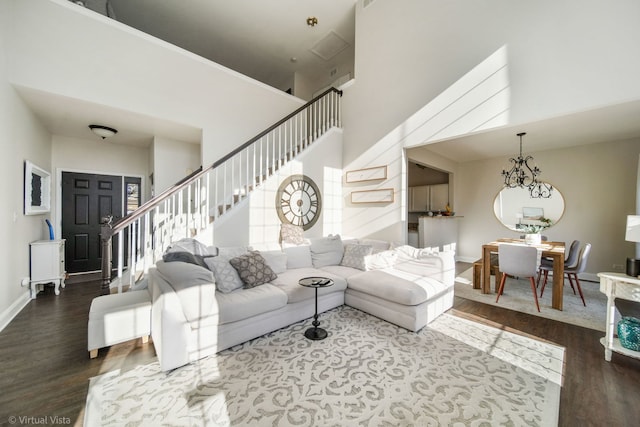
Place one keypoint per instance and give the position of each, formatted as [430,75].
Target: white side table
[47,264]
[617,285]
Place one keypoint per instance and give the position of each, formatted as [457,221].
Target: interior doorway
[86,199]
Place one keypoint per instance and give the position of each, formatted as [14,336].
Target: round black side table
[315,333]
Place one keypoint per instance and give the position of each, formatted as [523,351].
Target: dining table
[552,250]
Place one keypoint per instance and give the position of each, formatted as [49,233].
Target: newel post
[105,241]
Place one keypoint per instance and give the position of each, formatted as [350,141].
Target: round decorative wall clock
[298,201]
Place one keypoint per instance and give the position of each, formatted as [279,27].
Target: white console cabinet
[47,264]
[617,285]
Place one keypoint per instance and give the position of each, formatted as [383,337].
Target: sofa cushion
[277,260]
[397,286]
[252,269]
[232,251]
[341,270]
[436,265]
[227,278]
[376,245]
[298,256]
[194,286]
[380,260]
[288,282]
[326,251]
[354,256]
[242,304]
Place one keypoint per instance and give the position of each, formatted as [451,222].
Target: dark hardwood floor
[45,366]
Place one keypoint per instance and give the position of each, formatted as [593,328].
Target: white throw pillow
[354,256]
[326,251]
[298,257]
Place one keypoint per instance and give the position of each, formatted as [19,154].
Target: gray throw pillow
[253,269]
[185,257]
[354,256]
[189,245]
[227,279]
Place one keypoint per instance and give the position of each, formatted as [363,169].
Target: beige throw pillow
[355,256]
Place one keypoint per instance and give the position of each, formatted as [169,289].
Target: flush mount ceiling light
[103,131]
[312,21]
[524,174]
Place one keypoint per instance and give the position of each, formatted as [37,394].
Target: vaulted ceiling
[265,40]
[271,40]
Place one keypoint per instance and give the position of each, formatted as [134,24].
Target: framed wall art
[381,195]
[367,174]
[37,189]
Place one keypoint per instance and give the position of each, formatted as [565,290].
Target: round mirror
[515,208]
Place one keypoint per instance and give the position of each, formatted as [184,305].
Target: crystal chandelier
[524,174]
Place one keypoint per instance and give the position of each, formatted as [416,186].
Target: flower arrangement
[536,228]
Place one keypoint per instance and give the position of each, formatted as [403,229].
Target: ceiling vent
[331,45]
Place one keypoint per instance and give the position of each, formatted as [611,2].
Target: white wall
[598,183]
[56,47]
[94,156]
[71,51]
[173,160]
[255,221]
[21,138]
[465,66]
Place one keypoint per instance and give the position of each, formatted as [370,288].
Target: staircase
[192,204]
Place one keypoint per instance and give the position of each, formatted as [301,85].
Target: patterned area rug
[518,296]
[367,372]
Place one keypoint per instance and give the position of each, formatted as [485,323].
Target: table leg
[315,333]
[486,270]
[610,327]
[558,281]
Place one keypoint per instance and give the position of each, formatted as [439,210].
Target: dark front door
[86,198]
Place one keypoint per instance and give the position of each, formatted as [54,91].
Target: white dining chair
[518,261]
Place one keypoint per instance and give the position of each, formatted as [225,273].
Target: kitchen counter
[434,232]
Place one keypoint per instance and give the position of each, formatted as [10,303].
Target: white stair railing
[207,194]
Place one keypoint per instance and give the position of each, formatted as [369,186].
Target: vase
[629,333]
[533,238]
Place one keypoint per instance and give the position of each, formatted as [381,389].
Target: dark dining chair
[572,272]
[546,265]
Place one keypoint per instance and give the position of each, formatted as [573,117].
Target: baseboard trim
[12,311]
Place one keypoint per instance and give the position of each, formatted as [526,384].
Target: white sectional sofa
[195,312]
